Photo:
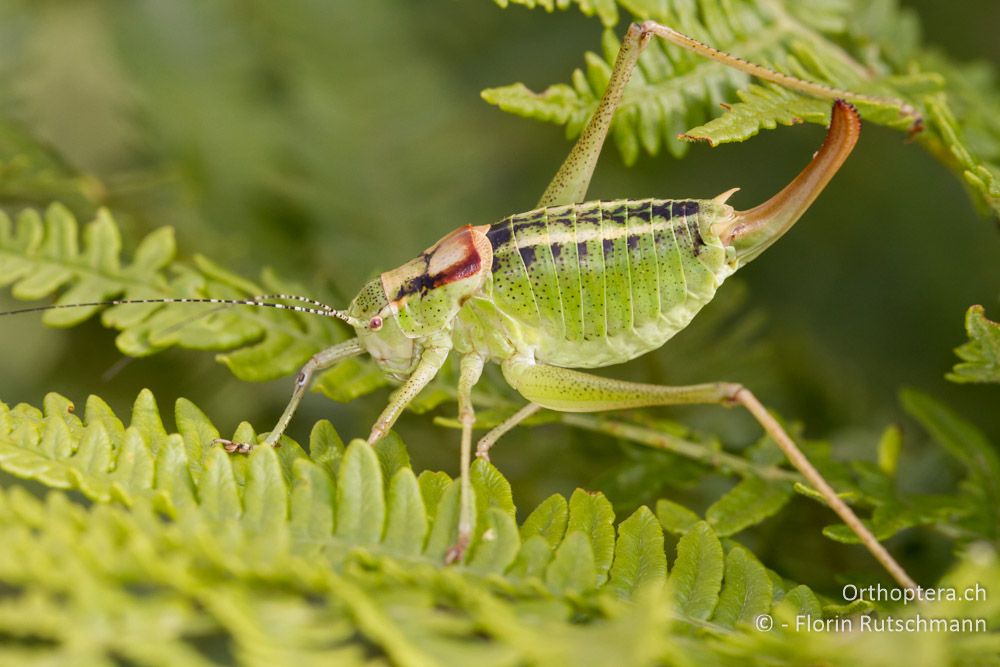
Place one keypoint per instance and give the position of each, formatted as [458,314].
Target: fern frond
[41,256]
[673,90]
[185,555]
[606,10]
[981,355]
[765,487]
[973,450]
[34,174]
[967,514]
[676,96]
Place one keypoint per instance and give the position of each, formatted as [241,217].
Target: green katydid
[576,284]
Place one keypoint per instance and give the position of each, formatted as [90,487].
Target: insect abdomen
[602,282]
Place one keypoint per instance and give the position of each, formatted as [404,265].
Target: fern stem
[670,443]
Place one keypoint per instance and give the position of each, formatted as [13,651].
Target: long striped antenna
[263,301]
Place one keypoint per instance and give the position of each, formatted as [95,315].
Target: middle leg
[486,442]
[471,370]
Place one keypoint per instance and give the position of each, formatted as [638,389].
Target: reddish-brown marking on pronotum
[461,254]
[455,257]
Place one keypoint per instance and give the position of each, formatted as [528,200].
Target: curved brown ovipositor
[753,231]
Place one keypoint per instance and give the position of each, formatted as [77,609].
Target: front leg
[572,391]
[322,360]
[431,360]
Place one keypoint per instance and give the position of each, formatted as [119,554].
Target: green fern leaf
[492,488]
[981,355]
[674,90]
[498,544]
[889,447]
[606,10]
[349,380]
[746,590]
[219,497]
[968,513]
[265,507]
[747,504]
[41,256]
[32,172]
[971,448]
[696,578]
[325,447]
[444,533]
[392,455]
[573,568]
[244,553]
[548,520]
[311,515]
[591,514]
[532,559]
[675,95]
[639,557]
[675,518]
[360,504]
[432,488]
[406,523]
[896,515]
[801,602]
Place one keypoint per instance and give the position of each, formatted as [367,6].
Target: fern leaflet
[185,555]
[676,96]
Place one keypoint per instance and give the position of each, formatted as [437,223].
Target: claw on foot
[483,454]
[233,447]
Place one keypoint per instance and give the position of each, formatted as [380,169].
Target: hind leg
[572,391]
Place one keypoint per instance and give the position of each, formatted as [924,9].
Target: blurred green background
[333,140]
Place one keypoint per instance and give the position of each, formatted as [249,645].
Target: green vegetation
[158,548]
[326,142]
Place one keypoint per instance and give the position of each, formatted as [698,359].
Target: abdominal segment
[601,282]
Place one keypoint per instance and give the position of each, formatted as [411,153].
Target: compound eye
[375,323]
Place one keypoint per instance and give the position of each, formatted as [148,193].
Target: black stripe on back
[500,233]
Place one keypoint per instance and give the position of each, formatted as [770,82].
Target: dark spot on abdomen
[499,234]
[695,231]
[661,210]
[527,255]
